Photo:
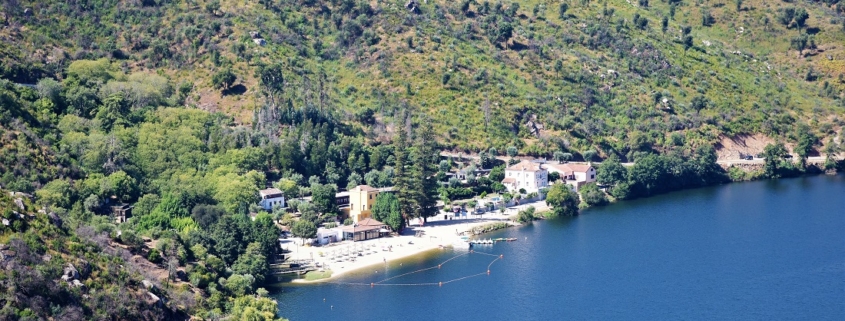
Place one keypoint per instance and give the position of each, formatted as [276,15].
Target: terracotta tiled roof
[366,224]
[525,165]
[581,168]
[509,180]
[569,168]
[560,168]
[356,229]
[370,222]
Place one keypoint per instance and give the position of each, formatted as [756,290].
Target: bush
[592,195]
[154,256]
[562,200]
[526,215]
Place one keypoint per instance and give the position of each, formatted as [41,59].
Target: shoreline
[437,234]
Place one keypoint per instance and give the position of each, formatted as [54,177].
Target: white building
[329,235]
[271,197]
[576,175]
[526,175]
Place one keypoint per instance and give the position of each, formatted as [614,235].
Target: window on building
[371,196]
[593,176]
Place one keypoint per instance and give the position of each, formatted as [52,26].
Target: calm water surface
[760,251]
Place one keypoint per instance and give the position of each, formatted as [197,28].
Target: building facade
[362,198]
[526,175]
[271,197]
[576,175]
[364,230]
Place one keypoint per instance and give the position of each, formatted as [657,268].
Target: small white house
[329,235]
[271,197]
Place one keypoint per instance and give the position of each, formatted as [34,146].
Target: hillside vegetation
[186,109]
[612,76]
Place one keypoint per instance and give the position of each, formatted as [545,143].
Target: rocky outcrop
[148,285]
[70,273]
[55,219]
[78,284]
[153,299]
[412,6]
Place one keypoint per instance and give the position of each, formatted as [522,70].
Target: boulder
[181,275]
[412,6]
[154,300]
[149,285]
[77,284]
[55,219]
[70,273]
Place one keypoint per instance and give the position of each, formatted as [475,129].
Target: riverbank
[756,250]
[417,239]
[434,235]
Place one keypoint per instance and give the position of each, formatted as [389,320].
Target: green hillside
[185,109]
[593,77]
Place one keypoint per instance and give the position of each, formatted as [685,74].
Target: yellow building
[362,198]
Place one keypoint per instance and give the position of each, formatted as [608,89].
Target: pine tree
[401,181]
[424,173]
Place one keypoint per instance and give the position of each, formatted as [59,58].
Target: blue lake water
[753,251]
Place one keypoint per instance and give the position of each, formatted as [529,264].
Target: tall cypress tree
[400,173]
[425,172]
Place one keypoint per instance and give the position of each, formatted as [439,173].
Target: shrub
[592,195]
[154,256]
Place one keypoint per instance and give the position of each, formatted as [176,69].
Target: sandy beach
[436,234]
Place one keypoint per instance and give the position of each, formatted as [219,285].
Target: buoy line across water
[438,266]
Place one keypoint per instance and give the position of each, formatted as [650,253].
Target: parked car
[788,156]
[748,157]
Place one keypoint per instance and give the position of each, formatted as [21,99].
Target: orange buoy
[372,285]
[501,256]
[441,283]
[488,272]
[438,266]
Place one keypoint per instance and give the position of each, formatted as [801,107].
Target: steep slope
[604,75]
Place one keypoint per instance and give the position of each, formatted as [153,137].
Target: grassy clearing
[317,275]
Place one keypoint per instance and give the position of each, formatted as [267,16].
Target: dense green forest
[186,109]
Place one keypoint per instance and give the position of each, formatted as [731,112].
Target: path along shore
[436,235]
